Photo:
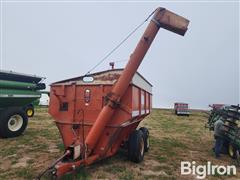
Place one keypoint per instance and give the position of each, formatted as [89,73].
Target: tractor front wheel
[30,111]
[136,146]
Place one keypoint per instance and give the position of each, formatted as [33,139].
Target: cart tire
[136,146]
[146,138]
[30,111]
[13,122]
[232,151]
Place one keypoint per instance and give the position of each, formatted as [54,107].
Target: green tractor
[18,94]
[230,114]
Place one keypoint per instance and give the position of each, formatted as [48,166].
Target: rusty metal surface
[79,78]
[171,21]
[106,106]
[165,19]
[108,77]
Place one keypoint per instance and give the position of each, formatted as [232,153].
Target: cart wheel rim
[29,112]
[148,142]
[238,157]
[15,122]
[142,146]
[230,150]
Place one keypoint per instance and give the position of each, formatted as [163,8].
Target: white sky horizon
[60,40]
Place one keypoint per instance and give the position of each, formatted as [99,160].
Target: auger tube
[161,18]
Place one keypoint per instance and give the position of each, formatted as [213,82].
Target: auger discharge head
[170,21]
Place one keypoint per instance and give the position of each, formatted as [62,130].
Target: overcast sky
[60,40]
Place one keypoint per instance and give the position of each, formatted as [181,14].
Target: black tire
[13,122]
[136,146]
[146,138]
[232,151]
[29,111]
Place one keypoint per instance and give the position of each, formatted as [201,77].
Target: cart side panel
[147,102]
[61,105]
[142,102]
[135,101]
[75,106]
[89,102]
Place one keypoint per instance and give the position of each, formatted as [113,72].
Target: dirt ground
[173,139]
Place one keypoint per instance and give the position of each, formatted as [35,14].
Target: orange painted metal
[75,120]
[96,118]
[161,18]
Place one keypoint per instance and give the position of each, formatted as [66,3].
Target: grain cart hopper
[98,113]
[17,94]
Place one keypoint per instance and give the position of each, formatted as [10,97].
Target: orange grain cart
[99,113]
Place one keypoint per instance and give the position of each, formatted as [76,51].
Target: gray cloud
[62,40]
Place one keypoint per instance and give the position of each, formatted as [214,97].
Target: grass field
[173,139]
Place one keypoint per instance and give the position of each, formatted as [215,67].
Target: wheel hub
[231,150]
[142,146]
[29,112]
[15,122]
[148,143]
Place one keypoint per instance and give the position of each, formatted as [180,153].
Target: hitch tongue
[51,166]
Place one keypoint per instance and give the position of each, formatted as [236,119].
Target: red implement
[99,113]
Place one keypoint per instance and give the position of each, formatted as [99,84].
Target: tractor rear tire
[136,146]
[146,138]
[13,122]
